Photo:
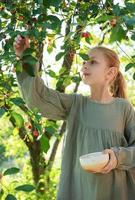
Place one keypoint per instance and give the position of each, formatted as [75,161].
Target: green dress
[91,127]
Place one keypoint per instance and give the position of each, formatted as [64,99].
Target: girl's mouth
[86,74]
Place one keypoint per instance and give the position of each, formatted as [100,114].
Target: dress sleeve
[50,103]
[126,155]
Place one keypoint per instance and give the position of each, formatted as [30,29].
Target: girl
[103,121]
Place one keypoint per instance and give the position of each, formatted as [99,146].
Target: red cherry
[71,55]
[34,19]
[2,8]
[86,34]
[30,127]
[113,22]
[35,133]
[21,18]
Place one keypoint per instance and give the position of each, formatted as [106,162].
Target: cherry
[113,22]
[35,133]
[86,34]
[21,17]
[34,19]
[2,8]
[71,54]
[29,127]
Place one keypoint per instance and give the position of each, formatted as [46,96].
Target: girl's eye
[84,62]
[92,61]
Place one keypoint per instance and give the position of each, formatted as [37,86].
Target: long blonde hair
[118,86]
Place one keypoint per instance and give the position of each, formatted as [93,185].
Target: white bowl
[94,161]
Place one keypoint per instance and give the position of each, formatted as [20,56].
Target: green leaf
[48,3]
[133,37]
[76,79]
[18,67]
[18,101]
[116,9]
[44,143]
[29,59]
[15,131]
[50,48]
[84,56]
[117,34]
[39,1]
[1,192]
[10,171]
[50,129]
[103,18]
[10,197]
[52,73]
[130,21]
[59,56]
[29,63]
[52,22]
[59,83]
[25,188]
[2,111]
[134,76]
[88,40]
[130,65]
[17,119]
[62,70]
[27,52]
[67,81]
[130,6]
[68,36]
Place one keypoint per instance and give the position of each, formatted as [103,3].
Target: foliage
[43,22]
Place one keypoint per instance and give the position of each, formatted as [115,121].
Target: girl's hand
[112,161]
[20,44]
[110,165]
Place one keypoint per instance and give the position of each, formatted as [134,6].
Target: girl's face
[96,71]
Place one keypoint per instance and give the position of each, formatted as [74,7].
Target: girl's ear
[111,73]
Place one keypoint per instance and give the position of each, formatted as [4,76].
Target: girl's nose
[85,65]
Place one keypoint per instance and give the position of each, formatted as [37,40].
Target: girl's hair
[118,86]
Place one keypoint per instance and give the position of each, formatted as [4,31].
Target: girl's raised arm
[50,103]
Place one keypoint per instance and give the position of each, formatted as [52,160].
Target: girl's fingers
[21,43]
[27,42]
[110,165]
[19,37]
[16,44]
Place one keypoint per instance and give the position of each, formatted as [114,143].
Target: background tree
[46,22]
